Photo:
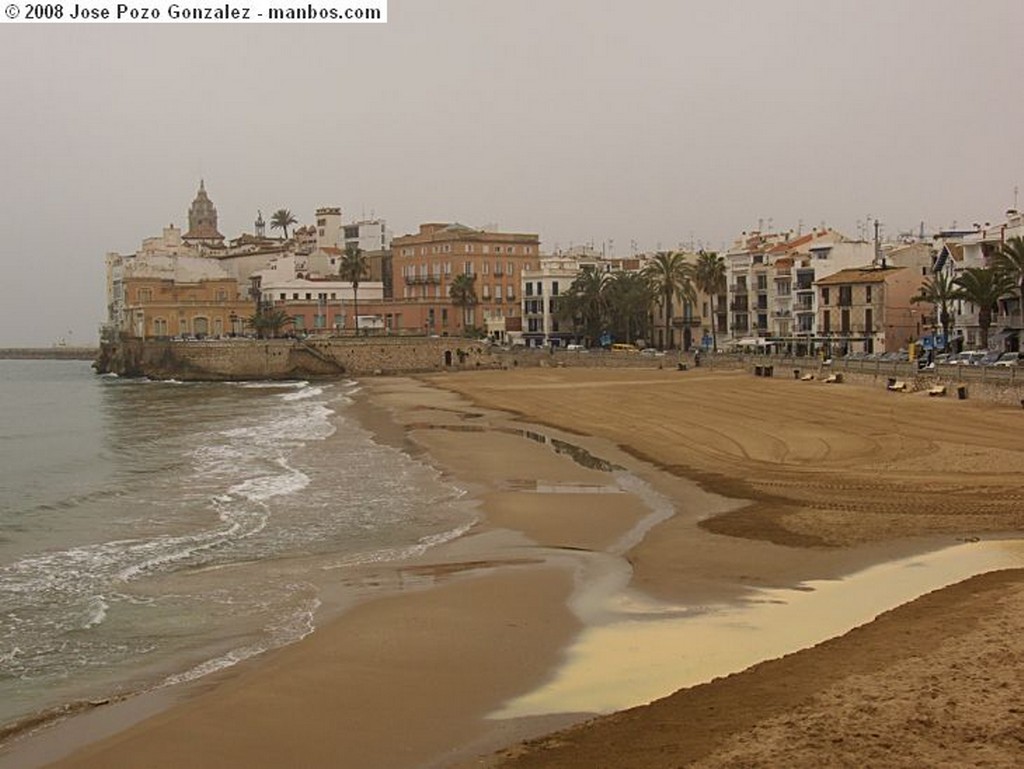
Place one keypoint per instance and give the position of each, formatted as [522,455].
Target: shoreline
[520,543]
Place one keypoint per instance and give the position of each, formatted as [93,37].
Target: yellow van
[624,348]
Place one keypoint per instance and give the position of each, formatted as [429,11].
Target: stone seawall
[247,359]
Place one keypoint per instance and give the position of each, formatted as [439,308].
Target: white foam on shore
[649,650]
[293,629]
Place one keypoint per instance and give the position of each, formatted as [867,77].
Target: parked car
[989,358]
[1008,359]
[575,348]
[651,352]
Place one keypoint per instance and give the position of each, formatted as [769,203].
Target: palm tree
[671,278]
[282,220]
[268,323]
[462,292]
[585,303]
[983,287]
[353,268]
[940,291]
[628,298]
[1009,260]
[710,277]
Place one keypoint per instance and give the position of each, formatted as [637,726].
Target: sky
[650,124]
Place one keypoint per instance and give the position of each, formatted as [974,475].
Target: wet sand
[840,478]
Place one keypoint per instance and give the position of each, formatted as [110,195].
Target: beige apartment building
[424,265]
[869,310]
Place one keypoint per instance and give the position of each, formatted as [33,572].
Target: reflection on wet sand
[647,650]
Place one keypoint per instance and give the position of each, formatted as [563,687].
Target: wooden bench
[897,386]
[833,379]
[807,377]
[937,391]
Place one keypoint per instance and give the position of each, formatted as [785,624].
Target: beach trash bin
[758,371]
[796,373]
[892,382]
[961,392]
[769,370]
[681,367]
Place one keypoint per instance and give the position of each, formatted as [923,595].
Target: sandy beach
[667,494]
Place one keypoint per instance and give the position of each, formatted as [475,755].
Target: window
[554,288]
[845,296]
[319,321]
[487,290]
[529,288]
[869,321]
[299,322]
[468,268]
[510,291]
[510,268]
[867,294]
[826,322]
[824,295]
[487,268]
[295,295]
[844,322]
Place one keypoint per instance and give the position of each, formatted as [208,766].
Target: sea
[154,532]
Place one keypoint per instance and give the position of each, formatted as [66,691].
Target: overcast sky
[659,122]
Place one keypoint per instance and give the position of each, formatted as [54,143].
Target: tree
[671,278]
[584,304]
[627,299]
[939,291]
[1009,261]
[353,268]
[710,277]
[282,219]
[983,287]
[462,292]
[268,323]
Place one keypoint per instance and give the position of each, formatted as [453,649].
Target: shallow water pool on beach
[637,650]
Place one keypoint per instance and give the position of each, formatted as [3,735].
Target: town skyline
[678,125]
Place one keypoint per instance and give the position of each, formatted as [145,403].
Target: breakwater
[48,353]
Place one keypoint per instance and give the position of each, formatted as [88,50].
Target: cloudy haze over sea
[647,124]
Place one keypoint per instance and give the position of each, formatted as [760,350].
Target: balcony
[738,288]
[686,322]
[740,306]
[782,313]
[422,280]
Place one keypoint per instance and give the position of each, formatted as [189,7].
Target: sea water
[151,532]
